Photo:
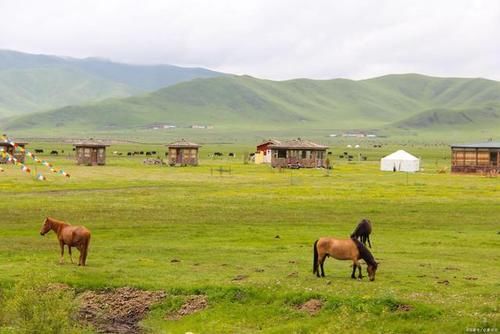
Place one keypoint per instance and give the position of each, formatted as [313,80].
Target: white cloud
[267,38]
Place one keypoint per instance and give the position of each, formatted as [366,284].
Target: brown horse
[73,236]
[343,249]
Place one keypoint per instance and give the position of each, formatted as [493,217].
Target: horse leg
[85,251]
[322,262]
[353,271]
[80,249]
[360,276]
[369,243]
[70,256]
[61,244]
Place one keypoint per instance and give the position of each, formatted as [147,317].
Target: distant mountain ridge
[392,102]
[30,83]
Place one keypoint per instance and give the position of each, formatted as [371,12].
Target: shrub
[34,305]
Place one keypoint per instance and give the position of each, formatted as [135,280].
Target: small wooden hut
[298,153]
[183,153]
[6,147]
[474,158]
[90,153]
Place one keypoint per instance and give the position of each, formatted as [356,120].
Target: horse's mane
[56,220]
[365,253]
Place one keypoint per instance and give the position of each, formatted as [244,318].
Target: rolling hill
[30,83]
[241,102]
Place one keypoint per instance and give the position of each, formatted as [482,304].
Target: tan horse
[73,236]
[343,249]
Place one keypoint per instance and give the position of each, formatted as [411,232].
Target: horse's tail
[315,257]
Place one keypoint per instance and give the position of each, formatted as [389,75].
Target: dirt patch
[404,308]
[240,278]
[118,310]
[470,278]
[451,268]
[312,306]
[294,274]
[445,282]
[192,305]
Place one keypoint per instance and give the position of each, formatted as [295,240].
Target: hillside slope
[30,83]
[395,101]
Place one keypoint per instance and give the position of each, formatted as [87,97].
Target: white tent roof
[401,155]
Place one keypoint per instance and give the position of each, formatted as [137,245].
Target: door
[93,158]
[178,154]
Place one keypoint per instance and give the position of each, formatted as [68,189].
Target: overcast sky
[267,38]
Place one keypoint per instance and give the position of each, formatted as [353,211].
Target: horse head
[372,269]
[47,225]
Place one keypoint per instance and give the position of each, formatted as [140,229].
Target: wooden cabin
[475,158]
[6,147]
[90,153]
[183,153]
[298,153]
[263,153]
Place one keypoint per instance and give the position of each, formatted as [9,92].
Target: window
[493,158]
[281,153]
[86,152]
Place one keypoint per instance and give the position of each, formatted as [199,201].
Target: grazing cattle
[329,153]
[217,154]
[38,150]
[74,148]
[341,156]
[153,152]
[129,154]
[232,155]
[350,156]
[346,153]
[120,153]
[343,249]
[54,152]
[141,152]
[148,153]
[363,231]
[73,236]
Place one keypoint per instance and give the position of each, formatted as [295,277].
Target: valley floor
[243,241]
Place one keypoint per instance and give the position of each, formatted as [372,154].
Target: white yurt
[400,161]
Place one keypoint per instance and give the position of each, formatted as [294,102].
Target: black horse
[363,231]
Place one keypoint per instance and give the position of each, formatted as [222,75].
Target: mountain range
[404,103]
[30,83]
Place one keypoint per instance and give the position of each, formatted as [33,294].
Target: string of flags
[24,168]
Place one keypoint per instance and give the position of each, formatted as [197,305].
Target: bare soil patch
[117,310]
[404,308]
[192,305]
[312,306]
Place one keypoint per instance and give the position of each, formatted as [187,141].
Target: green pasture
[245,239]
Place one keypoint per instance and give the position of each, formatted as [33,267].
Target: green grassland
[429,228]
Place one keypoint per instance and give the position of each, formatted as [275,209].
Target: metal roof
[91,143]
[298,144]
[183,143]
[488,144]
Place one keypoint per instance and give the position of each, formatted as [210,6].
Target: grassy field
[436,237]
